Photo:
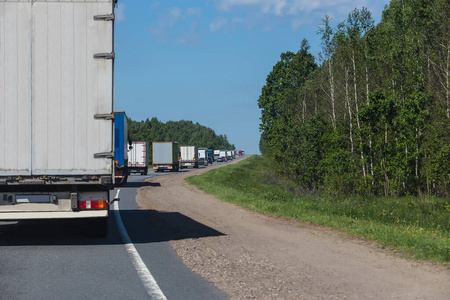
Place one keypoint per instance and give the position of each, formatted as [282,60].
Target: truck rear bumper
[163,167]
[137,169]
[188,163]
[14,216]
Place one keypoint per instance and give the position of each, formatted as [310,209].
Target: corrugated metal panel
[138,155]
[48,74]
[163,153]
[189,153]
[15,88]
[70,87]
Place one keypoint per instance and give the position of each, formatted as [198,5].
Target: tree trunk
[333,112]
[357,111]
[347,101]
[367,73]
[384,159]
[447,81]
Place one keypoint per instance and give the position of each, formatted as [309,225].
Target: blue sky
[206,61]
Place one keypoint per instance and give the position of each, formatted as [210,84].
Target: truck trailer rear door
[56,70]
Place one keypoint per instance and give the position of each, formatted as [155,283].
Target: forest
[370,115]
[183,132]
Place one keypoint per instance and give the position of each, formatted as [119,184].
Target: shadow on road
[138,184]
[143,226]
[175,226]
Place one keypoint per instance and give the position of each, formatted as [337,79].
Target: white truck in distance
[165,156]
[56,111]
[216,154]
[189,156]
[138,158]
[222,155]
[229,156]
[203,156]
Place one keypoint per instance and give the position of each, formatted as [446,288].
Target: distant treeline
[183,132]
[370,115]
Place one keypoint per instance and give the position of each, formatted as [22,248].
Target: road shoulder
[248,255]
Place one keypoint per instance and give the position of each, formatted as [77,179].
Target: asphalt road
[57,260]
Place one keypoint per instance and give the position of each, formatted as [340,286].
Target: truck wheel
[98,227]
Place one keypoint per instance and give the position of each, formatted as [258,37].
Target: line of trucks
[165,156]
[132,157]
[63,147]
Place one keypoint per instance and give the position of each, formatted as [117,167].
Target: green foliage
[263,147]
[374,117]
[183,132]
[415,225]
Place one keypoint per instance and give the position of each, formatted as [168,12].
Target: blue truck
[121,143]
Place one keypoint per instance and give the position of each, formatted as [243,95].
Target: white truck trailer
[222,155]
[229,156]
[56,111]
[138,158]
[203,156]
[216,154]
[165,156]
[189,156]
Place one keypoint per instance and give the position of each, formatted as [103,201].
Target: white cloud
[297,24]
[218,24]
[225,25]
[264,14]
[282,8]
[177,25]
[175,16]
[193,11]
[155,5]
[227,5]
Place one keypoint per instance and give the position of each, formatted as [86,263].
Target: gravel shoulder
[248,255]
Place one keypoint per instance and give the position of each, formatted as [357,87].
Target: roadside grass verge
[417,226]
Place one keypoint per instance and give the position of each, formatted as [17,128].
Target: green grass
[419,227]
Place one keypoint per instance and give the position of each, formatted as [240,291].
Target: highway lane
[175,280]
[56,260]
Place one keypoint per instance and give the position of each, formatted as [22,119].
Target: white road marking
[149,282]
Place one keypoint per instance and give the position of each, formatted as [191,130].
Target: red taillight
[92,204]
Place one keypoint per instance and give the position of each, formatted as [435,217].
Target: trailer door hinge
[104,116]
[104,155]
[105,55]
[109,17]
